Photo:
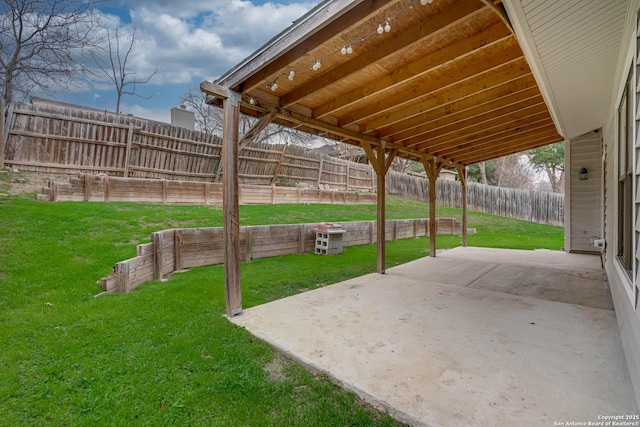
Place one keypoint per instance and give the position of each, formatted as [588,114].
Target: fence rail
[53,138]
[179,249]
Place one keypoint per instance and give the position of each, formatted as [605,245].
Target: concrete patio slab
[439,354]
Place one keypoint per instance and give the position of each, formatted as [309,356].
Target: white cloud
[189,40]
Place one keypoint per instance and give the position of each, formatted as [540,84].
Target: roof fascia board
[308,25]
[525,39]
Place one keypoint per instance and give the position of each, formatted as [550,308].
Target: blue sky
[186,41]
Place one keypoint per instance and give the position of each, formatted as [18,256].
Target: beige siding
[628,318]
[586,219]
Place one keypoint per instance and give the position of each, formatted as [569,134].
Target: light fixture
[583,174]
[387,26]
[425,2]
[273,86]
[349,49]
[316,65]
[343,50]
[252,101]
[292,74]
[380,29]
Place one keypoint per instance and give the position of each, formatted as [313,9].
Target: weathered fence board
[204,246]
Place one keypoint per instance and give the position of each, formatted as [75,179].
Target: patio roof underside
[448,80]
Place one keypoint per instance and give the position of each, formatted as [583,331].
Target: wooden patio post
[230,198]
[462,173]
[380,166]
[432,167]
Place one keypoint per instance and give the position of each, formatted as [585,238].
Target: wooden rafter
[390,47]
[373,98]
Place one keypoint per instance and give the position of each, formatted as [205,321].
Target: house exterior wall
[623,285]
[585,223]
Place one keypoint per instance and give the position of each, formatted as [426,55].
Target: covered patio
[473,337]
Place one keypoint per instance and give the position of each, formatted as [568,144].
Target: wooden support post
[432,167]
[157,255]
[2,136]
[230,197]
[178,250]
[380,166]
[127,155]
[462,173]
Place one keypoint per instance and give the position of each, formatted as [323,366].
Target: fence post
[320,171]
[156,238]
[178,250]
[87,188]
[122,275]
[347,176]
[2,137]
[127,154]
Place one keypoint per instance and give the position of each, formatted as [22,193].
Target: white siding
[586,217]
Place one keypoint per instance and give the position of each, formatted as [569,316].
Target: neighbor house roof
[446,78]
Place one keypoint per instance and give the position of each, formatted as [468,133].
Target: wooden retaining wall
[103,188]
[178,249]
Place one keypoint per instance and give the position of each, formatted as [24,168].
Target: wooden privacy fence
[103,188]
[53,138]
[535,206]
[179,249]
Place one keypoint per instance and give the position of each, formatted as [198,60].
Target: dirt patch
[20,182]
[277,367]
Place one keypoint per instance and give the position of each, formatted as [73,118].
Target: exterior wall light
[583,174]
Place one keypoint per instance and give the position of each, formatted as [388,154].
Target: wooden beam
[498,8]
[511,139]
[404,40]
[334,18]
[503,136]
[465,109]
[507,149]
[484,125]
[257,127]
[290,117]
[503,78]
[462,174]
[373,97]
[230,196]
[499,128]
[432,167]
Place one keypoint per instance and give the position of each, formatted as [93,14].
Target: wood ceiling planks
[449,80]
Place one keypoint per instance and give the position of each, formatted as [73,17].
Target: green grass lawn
[164,354]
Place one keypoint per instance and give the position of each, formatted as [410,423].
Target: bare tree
[125,81]
[209,120]
[43,43]
[514,172]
